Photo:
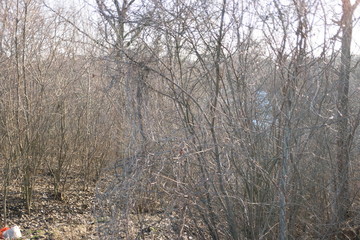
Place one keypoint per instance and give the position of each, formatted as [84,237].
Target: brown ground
[67,218]
[72,218]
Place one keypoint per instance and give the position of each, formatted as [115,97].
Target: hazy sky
[86,8]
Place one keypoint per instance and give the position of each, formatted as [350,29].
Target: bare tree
[344,138]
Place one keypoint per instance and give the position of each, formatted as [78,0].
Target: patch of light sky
[330,9]
[81,8]
[319,13]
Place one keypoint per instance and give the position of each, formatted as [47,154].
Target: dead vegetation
[52,217]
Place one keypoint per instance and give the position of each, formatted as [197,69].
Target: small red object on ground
[2,231]
[10,233]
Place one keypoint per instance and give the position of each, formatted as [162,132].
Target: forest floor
[69,216]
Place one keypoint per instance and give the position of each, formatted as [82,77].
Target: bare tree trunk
[342,201]
[218,79]
[283,176]
[7,173]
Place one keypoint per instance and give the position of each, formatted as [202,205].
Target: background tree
[344,137]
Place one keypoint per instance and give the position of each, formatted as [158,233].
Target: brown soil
[66,216]
[70,216]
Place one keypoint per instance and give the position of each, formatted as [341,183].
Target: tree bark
[342,201]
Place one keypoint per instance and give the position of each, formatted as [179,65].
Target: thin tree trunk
[283,177]
[342,201]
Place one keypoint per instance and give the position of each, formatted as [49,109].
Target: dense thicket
[235,119]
